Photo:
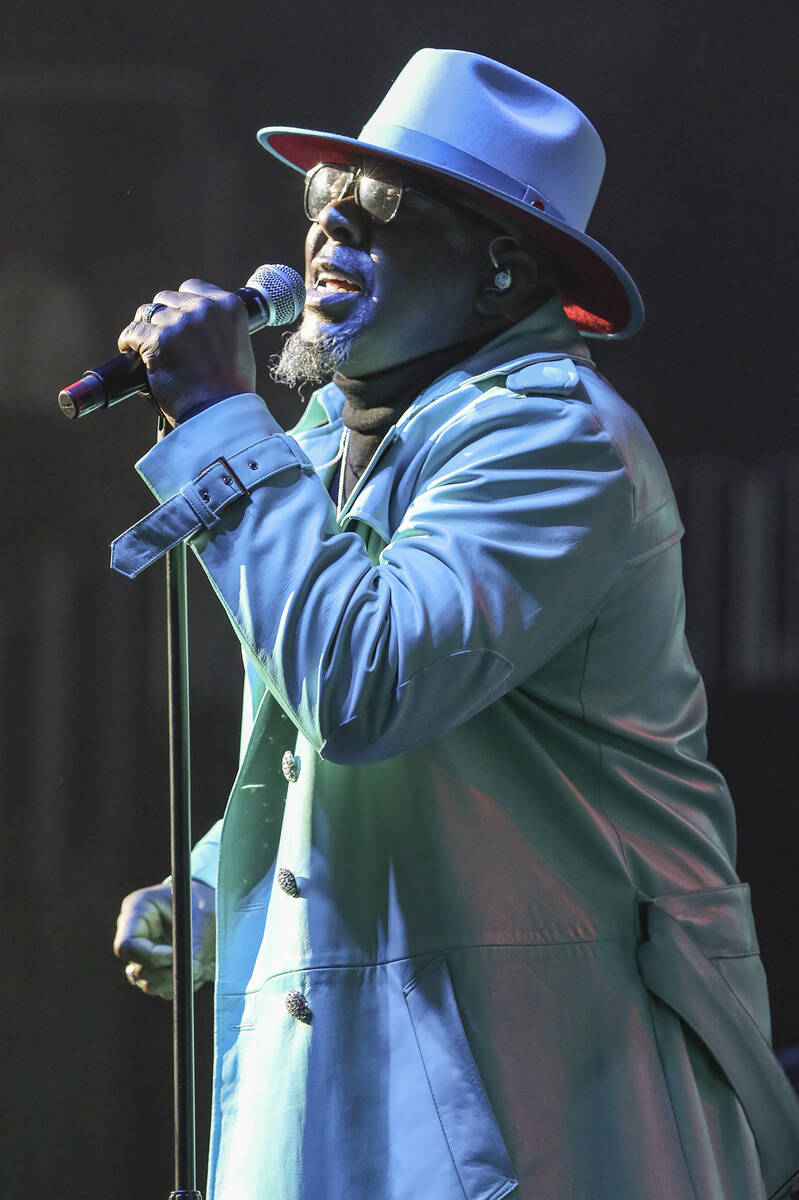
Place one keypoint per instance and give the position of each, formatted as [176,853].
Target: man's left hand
[196,348]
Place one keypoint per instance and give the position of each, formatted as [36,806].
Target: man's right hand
[144,937]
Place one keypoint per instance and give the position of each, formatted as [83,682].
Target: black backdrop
[129,163]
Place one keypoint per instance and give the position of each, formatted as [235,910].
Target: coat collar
[545,331]
[548,328]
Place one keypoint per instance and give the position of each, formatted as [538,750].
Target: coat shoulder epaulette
[552,377]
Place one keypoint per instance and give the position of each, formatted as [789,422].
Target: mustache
[339,259]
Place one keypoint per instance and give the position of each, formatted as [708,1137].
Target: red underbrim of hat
[602,300]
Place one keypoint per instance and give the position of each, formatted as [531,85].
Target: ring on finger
[130,973]
[148,311]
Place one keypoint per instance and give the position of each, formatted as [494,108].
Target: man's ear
[509,281]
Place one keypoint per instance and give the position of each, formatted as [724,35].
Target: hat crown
[465,106]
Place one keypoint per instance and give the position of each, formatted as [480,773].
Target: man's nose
[344,222]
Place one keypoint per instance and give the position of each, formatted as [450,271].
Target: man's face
[393,292]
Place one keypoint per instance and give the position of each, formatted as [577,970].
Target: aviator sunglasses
[380,198]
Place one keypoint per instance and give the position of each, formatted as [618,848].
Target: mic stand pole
[180,838]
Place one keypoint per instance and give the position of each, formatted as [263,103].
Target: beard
[314,363]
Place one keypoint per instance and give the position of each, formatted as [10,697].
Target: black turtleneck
[373,404]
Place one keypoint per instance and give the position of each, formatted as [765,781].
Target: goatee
[313,363]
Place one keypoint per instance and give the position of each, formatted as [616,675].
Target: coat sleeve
[516,529]
[205,856]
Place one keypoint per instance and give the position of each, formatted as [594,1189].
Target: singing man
[478,930]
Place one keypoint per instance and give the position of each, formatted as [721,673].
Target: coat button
[298,1006]
[287,880]
[290,766]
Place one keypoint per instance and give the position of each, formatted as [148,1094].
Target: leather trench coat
[474,839]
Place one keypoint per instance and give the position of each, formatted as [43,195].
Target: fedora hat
[505,142]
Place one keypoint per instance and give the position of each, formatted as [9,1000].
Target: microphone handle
[125,374]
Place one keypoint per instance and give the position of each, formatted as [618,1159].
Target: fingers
[142,338]
[195,344]
[191,295]
[160,983]
[156,980]
[145,952]
[152,983]
[199,287]
[143,333]
[170,308]
[146,313]
[144,933]
[143,939]
[144,926]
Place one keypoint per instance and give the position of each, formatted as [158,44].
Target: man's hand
[144,937]
[196,348]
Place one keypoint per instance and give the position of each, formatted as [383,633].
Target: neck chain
[345,441]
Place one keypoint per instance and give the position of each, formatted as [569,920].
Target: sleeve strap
[199,503]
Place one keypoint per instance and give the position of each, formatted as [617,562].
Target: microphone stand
[180,847]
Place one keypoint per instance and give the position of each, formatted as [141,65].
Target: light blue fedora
[506,141]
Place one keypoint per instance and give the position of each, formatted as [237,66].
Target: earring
[503,278]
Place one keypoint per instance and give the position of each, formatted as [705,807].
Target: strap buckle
[229,476]
[213,490]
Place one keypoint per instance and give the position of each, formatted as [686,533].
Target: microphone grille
[283,289]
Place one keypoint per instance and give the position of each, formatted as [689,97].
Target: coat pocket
[700,956]
[470,1129]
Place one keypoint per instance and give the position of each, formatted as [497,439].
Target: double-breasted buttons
[290,766]
[287,880]
[298,1006]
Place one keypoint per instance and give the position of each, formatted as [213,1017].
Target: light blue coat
[518,932]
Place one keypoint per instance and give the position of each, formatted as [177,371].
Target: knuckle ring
[149,311]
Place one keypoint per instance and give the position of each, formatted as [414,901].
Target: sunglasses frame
[352,178]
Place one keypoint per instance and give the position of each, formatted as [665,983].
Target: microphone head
[282,289]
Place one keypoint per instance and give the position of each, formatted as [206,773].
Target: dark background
[128,164]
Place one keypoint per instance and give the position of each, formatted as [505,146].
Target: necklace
[345,441]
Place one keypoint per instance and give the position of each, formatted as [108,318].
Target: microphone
[274,295]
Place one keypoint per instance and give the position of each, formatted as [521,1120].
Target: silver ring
[149,311]
[131,978]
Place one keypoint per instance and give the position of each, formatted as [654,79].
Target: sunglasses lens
[323,186]
[380,198]
[326,184]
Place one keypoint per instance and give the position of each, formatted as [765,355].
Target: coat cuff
[225,427]
[201,469]
[205,856]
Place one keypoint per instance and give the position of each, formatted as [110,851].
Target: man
[479,931]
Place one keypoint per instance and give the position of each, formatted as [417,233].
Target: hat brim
[602,299]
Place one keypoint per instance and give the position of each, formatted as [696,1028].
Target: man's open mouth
[328,281]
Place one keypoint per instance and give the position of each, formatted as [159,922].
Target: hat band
[410,143]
